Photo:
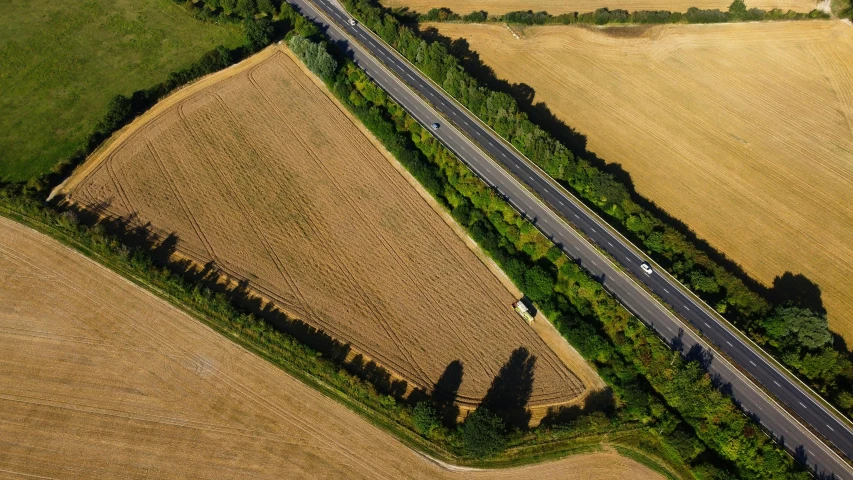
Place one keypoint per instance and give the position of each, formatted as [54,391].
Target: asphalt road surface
[490,158]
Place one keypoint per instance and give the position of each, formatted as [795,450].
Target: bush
[424,418]
[315,56]
[483,434]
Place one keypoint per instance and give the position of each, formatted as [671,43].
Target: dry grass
[100,379]
[556,7]
[743,131]
[257,170]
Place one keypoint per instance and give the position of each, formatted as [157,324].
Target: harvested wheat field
[101,379]
[556,7]
[742,131]
[257,170]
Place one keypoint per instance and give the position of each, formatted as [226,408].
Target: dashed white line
[827,426]
[665,290]
[610,244]
[777,383]
[753,363]
[706,324]
[801,404]
[687,308]
[730,343]
[593,230]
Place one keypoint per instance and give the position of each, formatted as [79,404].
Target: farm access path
[504,169]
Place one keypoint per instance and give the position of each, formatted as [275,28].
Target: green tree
[483,434]
[737,10]
[258,33]
[425,418]
[538,284]
[790,327]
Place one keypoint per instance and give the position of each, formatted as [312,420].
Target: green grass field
[62,61]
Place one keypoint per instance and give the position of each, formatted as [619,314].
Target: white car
[352,22]
[646,268]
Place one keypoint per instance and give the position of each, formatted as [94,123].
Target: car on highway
[435,126]
[646,268]
[353,22]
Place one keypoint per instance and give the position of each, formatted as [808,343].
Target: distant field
[259,171]
[557,6]
[742,131]
[100,379]
[62,62]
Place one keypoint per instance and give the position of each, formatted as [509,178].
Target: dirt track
[100,379]
[742,131]
[259,171]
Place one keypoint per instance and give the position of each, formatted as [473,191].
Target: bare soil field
[556,7]
[742,131]
[101,379]
[258,170]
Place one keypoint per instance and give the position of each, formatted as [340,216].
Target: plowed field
[257,170]
[100,379]
[556,7]
[742,131]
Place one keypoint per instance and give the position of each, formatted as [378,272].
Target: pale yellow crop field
[556,7]
[101,379]
[742,131]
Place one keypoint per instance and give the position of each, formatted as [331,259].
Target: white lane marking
[827,426]
[561,202]
[706,324]
[730,343]
[610,244]
[687,308]
[759,407]
[531,178]
[777,383]
[753,363]
[665,290]
[801,404]
[576,216]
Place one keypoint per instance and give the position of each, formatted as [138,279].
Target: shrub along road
[402,81]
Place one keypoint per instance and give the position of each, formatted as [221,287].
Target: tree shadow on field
[511,389]
[445,391]
[797,290]
[596,401]
[144,241]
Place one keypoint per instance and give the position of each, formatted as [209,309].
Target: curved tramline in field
[101,379]
[257,170]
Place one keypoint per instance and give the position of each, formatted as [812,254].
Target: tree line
[824,364]
[737,12]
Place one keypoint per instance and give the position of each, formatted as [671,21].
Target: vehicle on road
[353,22]
[435,126]
[646,268]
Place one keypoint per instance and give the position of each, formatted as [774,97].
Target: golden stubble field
[258,170]
[556,7]
[101,379]
[742,131]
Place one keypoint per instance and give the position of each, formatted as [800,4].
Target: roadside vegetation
[61,64]
[737,12]
[661,404]
[824,364]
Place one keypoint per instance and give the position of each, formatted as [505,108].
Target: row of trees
[824,365]
[737,12]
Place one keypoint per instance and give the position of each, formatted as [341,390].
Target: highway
[561,216]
